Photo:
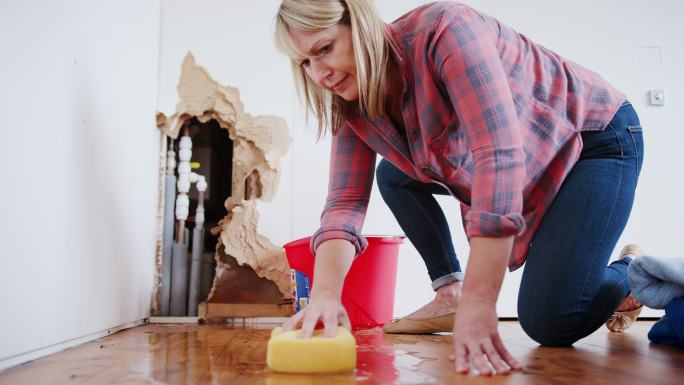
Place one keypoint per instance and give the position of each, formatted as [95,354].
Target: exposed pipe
[179,278]
[167,245]
[197,245]
[179,269]
[206,271]
[182,201]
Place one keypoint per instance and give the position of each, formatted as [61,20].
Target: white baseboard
[235,321]
[173,320]
[256,321]
[22,358]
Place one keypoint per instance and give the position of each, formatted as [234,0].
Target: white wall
[79,83]
[233,40]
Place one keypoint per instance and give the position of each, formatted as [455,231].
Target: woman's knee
[547,329]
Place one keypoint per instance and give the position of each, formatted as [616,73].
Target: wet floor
[220,354]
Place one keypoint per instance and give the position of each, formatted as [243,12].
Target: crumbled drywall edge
[258,144]
[159,245]
[267,260]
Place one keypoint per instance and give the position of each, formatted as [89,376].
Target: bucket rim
[375,238]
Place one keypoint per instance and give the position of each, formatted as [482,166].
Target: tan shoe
[621,320]
[633,249]
[442,323]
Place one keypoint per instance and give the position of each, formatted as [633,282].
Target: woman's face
[329,59]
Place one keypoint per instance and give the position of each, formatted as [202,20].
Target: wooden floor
[219,354]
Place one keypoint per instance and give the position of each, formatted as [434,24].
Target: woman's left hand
[477,341]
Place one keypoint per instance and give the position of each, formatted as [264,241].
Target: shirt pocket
[451,146]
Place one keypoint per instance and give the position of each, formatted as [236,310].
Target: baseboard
[232,321]
[246,310]
[173,320]
[243,321]
[35,354]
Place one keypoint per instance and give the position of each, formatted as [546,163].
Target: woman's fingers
[308,324]
[293,322]
[330,312]
[330,322]
[344,320]
[494,357]
[478,359]
[508,357]
[460,358]
[488,356]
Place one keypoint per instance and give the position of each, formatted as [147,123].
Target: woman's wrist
[476,299]
[325,292]
[485,291]
[486,268]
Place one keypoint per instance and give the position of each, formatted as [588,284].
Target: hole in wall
[212,157]
[239,156]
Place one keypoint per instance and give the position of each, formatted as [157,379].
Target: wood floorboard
[220,354]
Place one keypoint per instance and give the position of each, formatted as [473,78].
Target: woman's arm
[333,260]
[466,60]
[486,267]
[338,240]
[352,169]
[475,326]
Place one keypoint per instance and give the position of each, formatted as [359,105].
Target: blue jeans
[566,292]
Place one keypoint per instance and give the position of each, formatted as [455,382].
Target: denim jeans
[422,220]
[566,292]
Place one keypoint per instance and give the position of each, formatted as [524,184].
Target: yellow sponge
[318,354]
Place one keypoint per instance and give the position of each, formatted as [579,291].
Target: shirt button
[413,134]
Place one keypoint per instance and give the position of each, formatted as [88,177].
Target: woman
[543,155]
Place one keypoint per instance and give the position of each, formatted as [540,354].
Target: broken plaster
[258,144]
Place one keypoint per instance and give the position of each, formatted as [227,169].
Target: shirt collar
[394,39]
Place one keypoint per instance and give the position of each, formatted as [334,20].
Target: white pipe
[182,201]
[179,268]
[185,179]
[201,185]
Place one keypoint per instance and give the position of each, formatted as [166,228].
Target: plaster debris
[258,144]
[247,246]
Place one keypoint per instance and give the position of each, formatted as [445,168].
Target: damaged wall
[258,144]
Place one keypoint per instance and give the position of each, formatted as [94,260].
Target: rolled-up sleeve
[467,62]
[352,168]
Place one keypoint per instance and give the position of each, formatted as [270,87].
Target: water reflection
[218,354]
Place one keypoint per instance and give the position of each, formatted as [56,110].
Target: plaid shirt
[490,115]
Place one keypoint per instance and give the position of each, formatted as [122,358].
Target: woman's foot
[629,303]
[629,308]
[436,316]
[445,301]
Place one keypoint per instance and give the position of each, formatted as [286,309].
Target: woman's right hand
[324,306]
[333,260]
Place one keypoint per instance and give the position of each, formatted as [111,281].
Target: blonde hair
[371,52]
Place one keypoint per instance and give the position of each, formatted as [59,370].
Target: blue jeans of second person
[566,292]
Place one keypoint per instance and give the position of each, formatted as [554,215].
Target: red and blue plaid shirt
[490,115]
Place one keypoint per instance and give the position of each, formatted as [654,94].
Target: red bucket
[368,291]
